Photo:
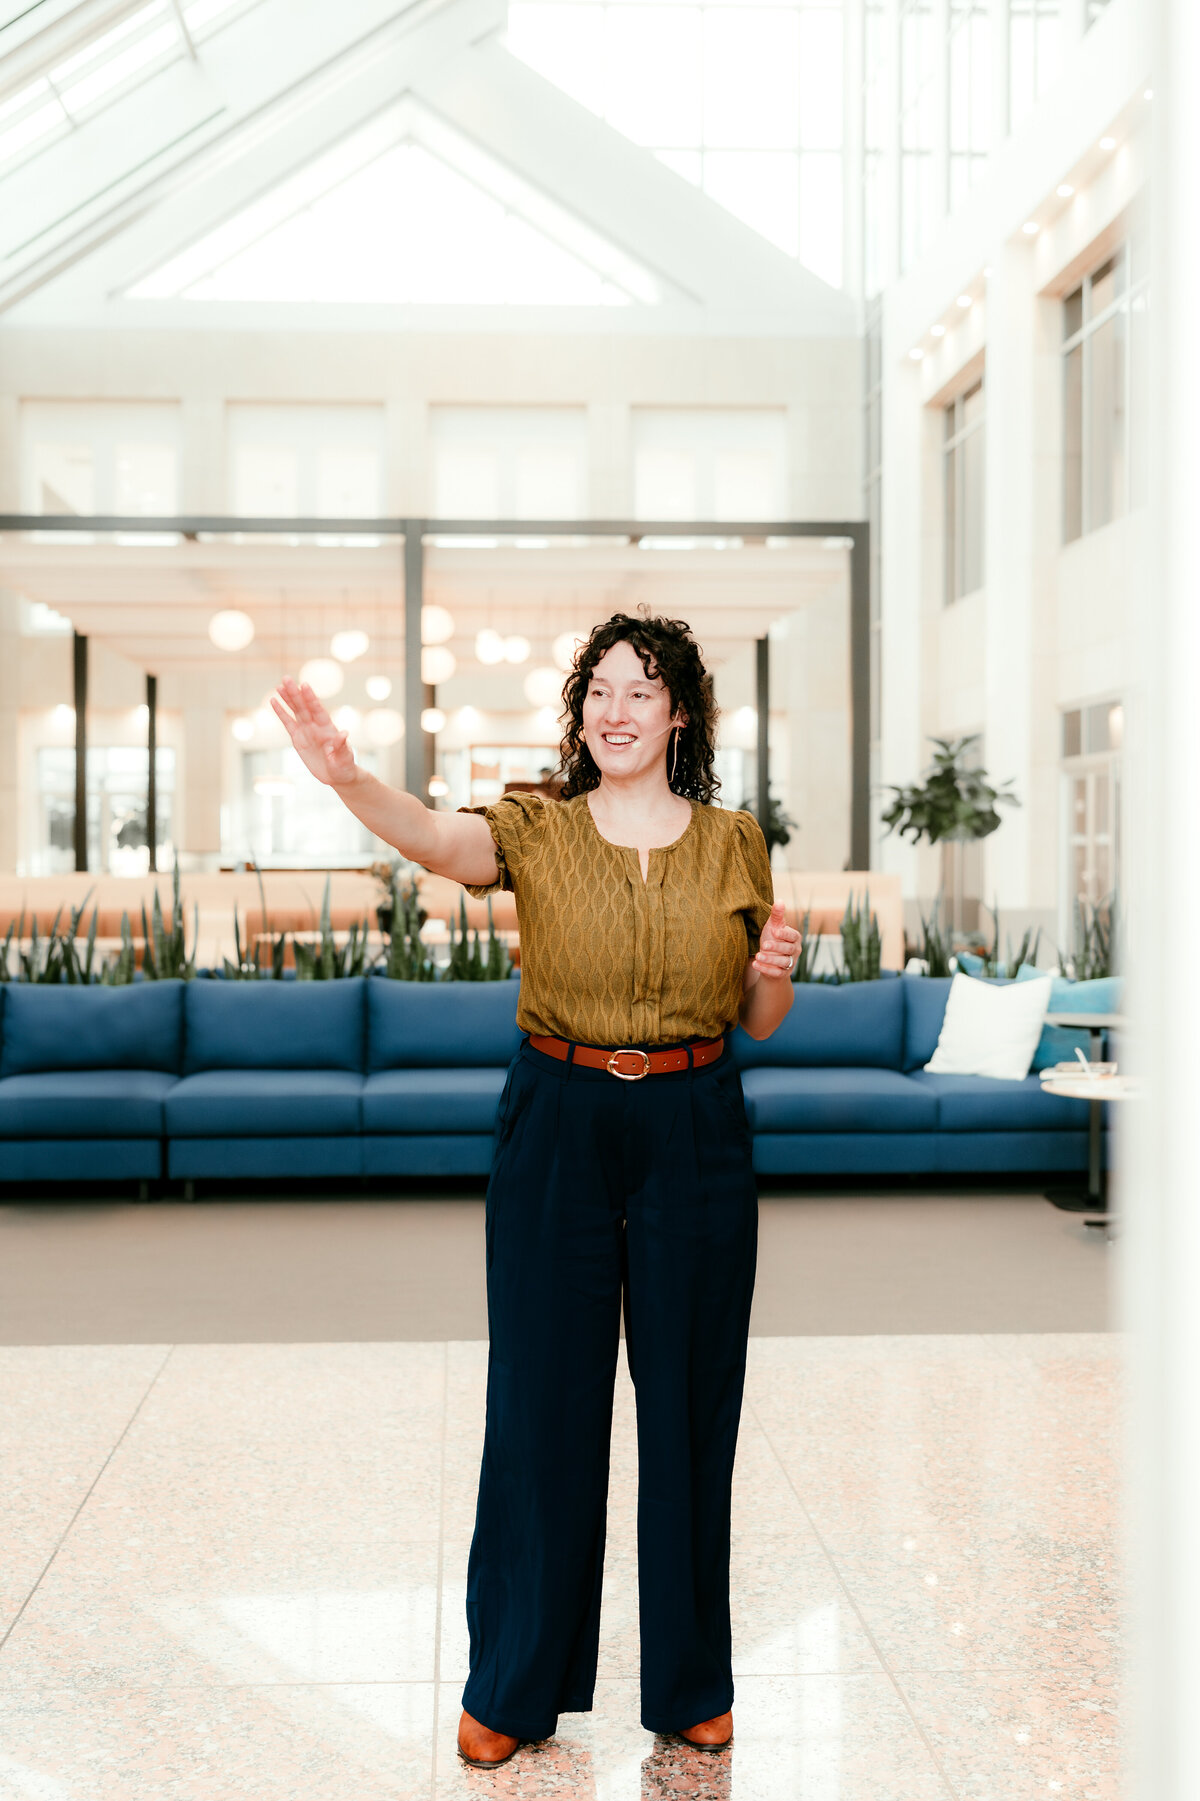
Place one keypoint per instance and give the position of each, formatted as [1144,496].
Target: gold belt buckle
[629,1075]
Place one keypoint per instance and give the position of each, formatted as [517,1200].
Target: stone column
[1009,538]
[903,555]
[198,794]
[1159,1267]
[10,728]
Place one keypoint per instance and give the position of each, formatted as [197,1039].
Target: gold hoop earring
[674,756]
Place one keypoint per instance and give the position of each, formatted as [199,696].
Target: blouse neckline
[632,848]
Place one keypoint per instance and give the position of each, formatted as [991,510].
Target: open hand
[321,747]
[778,947]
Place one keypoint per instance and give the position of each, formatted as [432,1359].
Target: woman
[648,929]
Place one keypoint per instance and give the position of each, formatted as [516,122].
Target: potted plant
[954,803]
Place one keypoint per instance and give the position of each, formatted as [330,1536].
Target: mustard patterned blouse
[610,959]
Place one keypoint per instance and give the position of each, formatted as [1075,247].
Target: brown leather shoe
[481,1747]
[709,1735]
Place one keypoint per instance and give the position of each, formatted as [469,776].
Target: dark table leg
[1093,1199]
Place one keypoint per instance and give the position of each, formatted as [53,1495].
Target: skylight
[105,65]
[404,212]
[744,100]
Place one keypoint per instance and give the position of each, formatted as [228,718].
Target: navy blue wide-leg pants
[602,1191]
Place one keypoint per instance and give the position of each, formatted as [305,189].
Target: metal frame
[152,771]
[79,669]
[418,746]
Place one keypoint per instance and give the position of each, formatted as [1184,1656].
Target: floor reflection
[672,1771]
[263,1590]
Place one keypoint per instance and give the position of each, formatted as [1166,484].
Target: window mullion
[1085,422]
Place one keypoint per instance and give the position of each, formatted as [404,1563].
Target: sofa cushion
[239,1159]
[432,1100]
[265,1103]
[71,1027]
[992,1104]
[925,1000]
[84,1103]
[275,1025]
[845,1025]
[441,1025]
[836,1100]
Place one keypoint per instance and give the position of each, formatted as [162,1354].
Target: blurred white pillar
[1161,1186]
[200,794]
[939,25]
[998,11]
[903,547]
[1009,567]
[10,721]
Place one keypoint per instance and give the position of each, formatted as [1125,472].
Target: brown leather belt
[639,1063]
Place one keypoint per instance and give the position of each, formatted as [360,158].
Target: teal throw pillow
[1058,1044]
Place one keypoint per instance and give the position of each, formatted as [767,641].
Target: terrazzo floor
[237,1571]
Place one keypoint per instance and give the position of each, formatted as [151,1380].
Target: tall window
[509,462]
[1105,322]
[1091,752]
[877,77]
[100,456]
[116,809]
[969,81]
[872,493]
[721,463]
[918,128]
[964,490]
[1033,49]
[743,100]
[281,818]
[298,459]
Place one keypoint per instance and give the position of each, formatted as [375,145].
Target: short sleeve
[756,867]
[516,822]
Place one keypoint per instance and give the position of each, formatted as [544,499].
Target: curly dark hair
[667,649]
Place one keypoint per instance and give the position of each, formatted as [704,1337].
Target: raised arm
[458,845]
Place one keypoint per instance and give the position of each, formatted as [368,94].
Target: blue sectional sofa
[370,1077]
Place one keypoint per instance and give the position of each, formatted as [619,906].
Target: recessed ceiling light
[1107,143]
[916,353]
[937,331]
[1064,190]
[964,300]
[1031,228]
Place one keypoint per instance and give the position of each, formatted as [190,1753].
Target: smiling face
[627,715]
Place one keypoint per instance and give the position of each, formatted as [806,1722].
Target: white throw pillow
[991,1030]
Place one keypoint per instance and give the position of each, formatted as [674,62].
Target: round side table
[1095,1090]
[1091,1199]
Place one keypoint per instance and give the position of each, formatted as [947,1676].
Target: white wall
[1049,628]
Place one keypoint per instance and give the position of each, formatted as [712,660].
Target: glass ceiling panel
[744,100]
[427,220]
[107,64]
[33,15]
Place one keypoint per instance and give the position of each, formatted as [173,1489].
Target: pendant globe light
[348,646]
[325,677]
[231,629]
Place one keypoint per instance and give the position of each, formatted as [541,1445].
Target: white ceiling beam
[625,193]
[266,95]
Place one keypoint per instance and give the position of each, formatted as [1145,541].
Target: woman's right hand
[321,747]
